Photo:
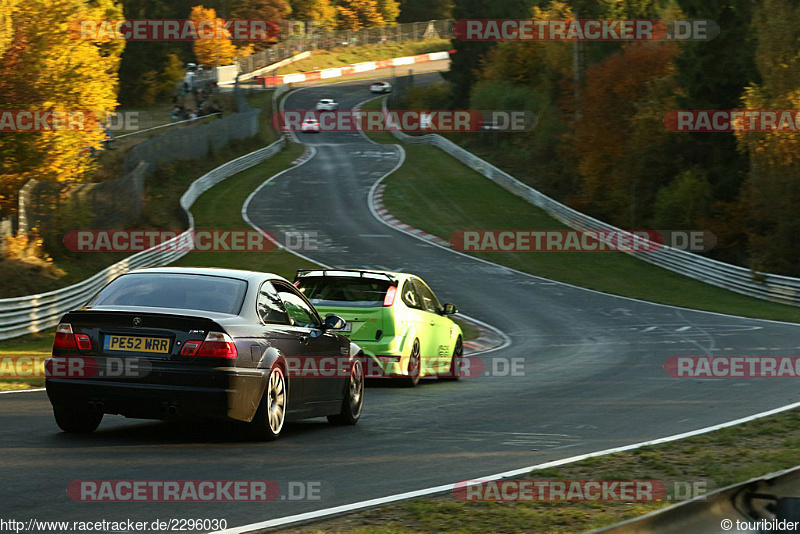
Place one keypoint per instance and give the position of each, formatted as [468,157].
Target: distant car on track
[217,343]
[395,318]
[380,87]
[310,125]
[327,104]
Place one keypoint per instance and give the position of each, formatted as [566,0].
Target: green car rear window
[344,291]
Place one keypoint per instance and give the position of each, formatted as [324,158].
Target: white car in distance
[310,125]
[327,104]
[380,87]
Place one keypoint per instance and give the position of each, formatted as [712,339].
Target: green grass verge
[35,347]
[339,57]
[712,461]
[439,194]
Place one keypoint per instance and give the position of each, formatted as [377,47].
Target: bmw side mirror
[333,322]
[449,309]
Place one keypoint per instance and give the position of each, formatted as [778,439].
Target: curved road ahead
[593,375]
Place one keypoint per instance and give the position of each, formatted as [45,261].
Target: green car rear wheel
[414,366]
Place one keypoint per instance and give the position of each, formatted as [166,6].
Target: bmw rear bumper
[208,393]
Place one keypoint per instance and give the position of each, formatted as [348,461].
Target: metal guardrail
[776,288]
[34,313]
[771,499]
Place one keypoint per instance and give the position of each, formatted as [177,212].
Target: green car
[395,318]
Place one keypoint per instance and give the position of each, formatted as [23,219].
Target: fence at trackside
[394,33]
[776,288]
[355,68]
[34,313]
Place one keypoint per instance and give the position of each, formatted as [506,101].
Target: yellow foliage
[245,50]
[45,68]
[28,248]
[218,50]
[357,14]
[6,27]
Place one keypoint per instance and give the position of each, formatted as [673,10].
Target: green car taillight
[388,300]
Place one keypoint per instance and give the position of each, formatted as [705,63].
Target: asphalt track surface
[593,375]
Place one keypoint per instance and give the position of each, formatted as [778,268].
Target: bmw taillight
[215,345]
[388,300]
[190,348]
[83,341]
[66,339]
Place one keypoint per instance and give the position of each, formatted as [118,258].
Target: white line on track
[22,391]
[345,508]
[328,512]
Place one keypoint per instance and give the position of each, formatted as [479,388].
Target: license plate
[353,326]
[153,345]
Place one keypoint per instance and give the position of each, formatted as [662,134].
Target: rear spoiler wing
[302,272]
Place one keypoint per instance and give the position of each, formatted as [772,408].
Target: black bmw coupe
[203,343]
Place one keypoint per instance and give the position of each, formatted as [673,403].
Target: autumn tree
[389,9]
[623,146]
[215,51]
[46,67]
[6,27]
[275,12]
[320,13]
[357,14]
[771,195]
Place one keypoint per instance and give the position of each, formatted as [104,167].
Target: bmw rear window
[344,291]
[167,290]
